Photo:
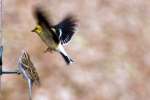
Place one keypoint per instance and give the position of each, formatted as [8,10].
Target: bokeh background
[111,48]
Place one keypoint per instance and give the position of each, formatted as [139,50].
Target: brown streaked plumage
[29,68]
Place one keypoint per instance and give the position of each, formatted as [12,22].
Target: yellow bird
[55,36]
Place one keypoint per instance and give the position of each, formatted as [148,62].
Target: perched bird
[55,36]
[27,69]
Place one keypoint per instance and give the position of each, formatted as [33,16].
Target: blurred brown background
[111,48]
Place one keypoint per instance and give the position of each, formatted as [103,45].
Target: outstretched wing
[66,29]
[46,24]
[41,17]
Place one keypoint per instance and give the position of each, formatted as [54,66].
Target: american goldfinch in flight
[55,36]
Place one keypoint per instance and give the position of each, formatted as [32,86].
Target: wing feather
[67,28]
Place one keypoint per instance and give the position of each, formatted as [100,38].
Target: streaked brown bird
[27,69]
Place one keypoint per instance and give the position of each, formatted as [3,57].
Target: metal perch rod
[10,72]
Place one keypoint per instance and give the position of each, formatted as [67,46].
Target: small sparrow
[55,36]
[27,69]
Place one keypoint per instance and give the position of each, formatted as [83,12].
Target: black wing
[66,29]
[41,17]
[44,22]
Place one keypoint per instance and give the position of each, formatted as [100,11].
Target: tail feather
[67,59]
